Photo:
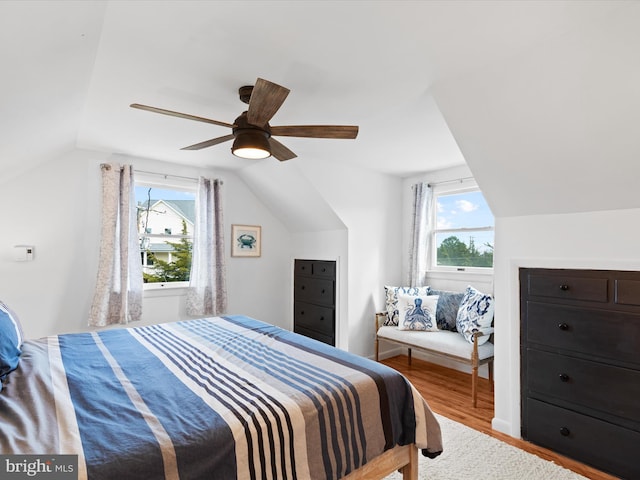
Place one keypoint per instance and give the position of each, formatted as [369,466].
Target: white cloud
[444,223]
[466,206]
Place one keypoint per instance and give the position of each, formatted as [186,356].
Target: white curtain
[207,293]
[419,247]
[118,294]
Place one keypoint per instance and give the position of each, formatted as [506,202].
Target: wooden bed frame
[402,458]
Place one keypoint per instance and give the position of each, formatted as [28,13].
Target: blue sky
[465,210]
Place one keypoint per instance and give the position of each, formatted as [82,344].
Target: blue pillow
[448,306]
[10,342]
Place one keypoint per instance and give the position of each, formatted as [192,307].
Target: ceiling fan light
[251,144]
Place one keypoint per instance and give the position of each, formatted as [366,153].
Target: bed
[224,397]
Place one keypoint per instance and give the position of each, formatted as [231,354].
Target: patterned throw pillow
[10,342]
[475,314]
[448,306]
[392,300]
[417,312]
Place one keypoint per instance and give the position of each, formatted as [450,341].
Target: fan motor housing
[241,124]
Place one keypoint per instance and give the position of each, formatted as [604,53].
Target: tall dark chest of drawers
[314,297]
[580,365]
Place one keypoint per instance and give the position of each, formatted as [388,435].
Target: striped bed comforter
[216,398]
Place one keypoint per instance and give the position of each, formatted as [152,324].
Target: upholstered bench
[445,341]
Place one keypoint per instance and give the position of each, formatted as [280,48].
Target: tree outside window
[464,232]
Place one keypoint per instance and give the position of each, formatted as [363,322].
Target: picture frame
[246,240]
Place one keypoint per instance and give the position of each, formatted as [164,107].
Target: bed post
[410,470]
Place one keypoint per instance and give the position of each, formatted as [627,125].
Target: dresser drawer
[612,390]
[598,333]
[328,339]
[303,267]
[627,292]
[315,290]
[314,317]
[316,268]
[569,287]
[324,269]
[605,446]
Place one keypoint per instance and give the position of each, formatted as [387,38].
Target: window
[463,236]
[166,256]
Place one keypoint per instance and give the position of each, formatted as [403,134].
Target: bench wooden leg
[377,348]
[474,385]
[409,356]
[490,367]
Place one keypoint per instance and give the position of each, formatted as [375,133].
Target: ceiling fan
[251,132]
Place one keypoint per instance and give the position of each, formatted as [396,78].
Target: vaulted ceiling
[540,98]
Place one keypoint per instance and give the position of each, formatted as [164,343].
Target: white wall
[369,204]
[49,207]
[593,240]
[56,207]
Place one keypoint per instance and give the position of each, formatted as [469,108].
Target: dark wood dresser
[580,365]
[314,297]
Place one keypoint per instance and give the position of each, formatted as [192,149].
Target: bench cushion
[451,343]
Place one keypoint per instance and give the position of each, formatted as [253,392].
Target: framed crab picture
[246,240]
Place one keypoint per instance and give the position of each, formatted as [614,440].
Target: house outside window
[463,237]
[165,256]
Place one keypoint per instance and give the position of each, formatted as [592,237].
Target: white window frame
[143,179]
[452,188]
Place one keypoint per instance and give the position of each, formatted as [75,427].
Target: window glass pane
[165,228]
[464,234]
[468,249]
[460,210]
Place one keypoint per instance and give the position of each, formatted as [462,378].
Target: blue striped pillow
[10,342]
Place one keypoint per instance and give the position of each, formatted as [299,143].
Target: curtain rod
[165,175]
[459,180]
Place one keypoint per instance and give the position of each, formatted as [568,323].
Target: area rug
[472,455]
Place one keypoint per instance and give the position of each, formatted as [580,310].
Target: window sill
[173,289]
[475,274]
[461,271]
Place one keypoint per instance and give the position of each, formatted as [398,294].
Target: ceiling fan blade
[266,99]
[180,115]
[209,143]
[279,151]
[317,131]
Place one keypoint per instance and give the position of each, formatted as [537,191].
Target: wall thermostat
[23,253]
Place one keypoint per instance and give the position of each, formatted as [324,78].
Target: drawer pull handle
[302,287]
[563,377]
[563,326]
[321,319]
[564,431]
[322,291]
[301,312]
[564,288]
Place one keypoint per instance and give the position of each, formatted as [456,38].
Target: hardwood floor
[448,393]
